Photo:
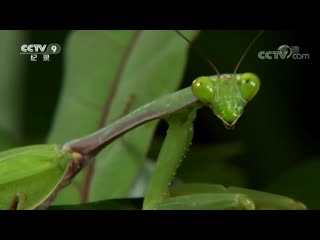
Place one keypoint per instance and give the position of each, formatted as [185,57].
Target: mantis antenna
[204,57]
[246,51]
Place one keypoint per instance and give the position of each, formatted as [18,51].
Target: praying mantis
[31,176]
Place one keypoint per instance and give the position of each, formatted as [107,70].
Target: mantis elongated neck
[90,145]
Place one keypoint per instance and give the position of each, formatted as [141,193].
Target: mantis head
[226,94]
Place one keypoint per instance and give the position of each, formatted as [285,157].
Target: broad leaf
[135,67]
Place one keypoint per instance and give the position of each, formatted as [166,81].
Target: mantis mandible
[31,176]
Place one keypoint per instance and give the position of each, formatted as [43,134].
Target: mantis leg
[177,141]
[262,200]
[207,201]
[17,201]
[265,200]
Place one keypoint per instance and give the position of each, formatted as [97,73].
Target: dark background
[279,130]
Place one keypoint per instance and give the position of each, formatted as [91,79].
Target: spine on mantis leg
[176,143]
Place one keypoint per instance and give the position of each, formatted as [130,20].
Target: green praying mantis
[32,176]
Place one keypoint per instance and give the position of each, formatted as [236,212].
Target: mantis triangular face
[226,94]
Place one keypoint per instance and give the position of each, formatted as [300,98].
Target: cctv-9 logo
[52,48]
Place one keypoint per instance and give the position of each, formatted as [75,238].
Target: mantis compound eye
[249,85]
[202,88]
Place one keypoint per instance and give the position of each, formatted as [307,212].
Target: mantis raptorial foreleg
[177,141]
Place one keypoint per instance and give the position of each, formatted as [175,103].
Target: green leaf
[301,183]
[11,72]
[136,67]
